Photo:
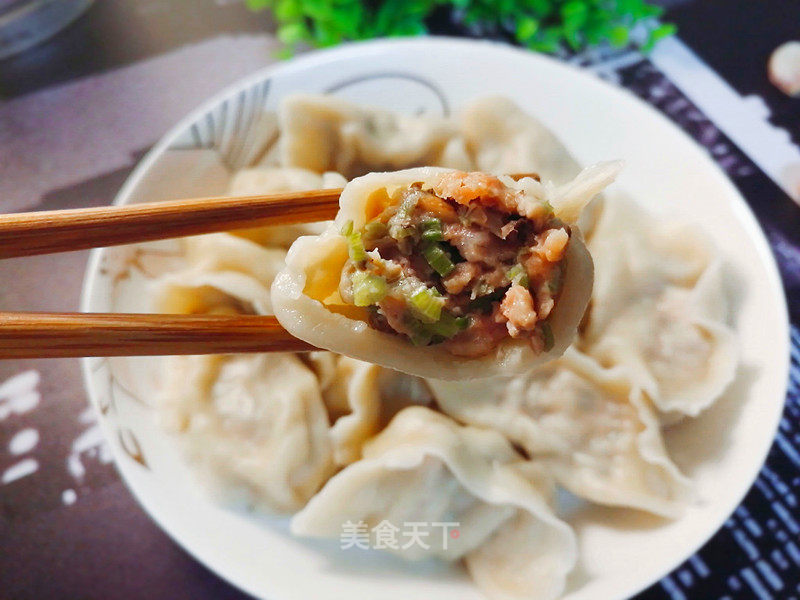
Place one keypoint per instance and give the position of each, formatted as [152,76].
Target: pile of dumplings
[330,440]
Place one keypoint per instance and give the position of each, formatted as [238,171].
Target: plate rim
[346,51]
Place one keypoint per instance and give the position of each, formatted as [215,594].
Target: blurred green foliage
[542,25]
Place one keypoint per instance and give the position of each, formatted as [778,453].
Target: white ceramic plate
[622,551]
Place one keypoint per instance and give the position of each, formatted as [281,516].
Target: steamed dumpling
[589,426]
[352,397]
[254,425]
[323,133]
[361,398]
[659,309]
[425,468]
[446,274]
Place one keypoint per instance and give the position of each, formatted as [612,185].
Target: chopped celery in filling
[465,274]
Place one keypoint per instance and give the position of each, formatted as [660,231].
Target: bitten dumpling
[446,274]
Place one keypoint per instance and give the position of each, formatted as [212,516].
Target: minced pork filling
[465,264]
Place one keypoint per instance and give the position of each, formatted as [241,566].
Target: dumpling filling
[465,263]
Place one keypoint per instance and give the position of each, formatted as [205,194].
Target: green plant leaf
[292,33]
[542,25]
[526,28]
[657,34]
[618,36]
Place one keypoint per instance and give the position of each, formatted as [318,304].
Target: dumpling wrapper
[314,266]
[590,427]
[425,468]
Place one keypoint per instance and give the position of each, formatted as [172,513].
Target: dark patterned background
[68,526]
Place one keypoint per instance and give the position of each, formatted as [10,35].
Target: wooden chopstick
[60,335]
[46,232]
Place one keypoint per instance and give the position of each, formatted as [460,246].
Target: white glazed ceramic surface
[622,551]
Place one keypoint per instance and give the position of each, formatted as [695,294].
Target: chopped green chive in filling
[368,289]
[419,333]
[448,325]
[355,245]
[375,230]
[465,263]
[517,274]
[432,230]
[427,305]
[437,258]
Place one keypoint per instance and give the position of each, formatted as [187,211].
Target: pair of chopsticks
[58,335]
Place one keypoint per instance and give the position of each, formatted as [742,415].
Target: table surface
[68,526]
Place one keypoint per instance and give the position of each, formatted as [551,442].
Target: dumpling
[268,180]
[254,426]
[443,273]
[426,469]
[353,400]
[518,561]
[323,364]
[588,426]
[505,139]
[361,399]
[323,133]
[263,180]
[232,272]
[502,138]
[222,273]
[659,309]
[681,355]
